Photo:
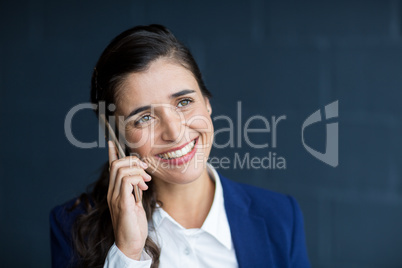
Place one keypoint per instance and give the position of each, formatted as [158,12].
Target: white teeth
[179,153]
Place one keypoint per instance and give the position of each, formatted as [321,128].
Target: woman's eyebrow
[181,93]
[146,107]
[139,110]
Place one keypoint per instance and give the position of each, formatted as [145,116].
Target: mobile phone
[110,135]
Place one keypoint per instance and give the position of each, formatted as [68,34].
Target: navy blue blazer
[267,228]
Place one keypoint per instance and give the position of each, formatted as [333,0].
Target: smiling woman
[189,215]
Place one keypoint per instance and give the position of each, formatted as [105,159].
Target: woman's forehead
[156,85]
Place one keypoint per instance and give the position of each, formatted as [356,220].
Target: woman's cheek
[202,123]
[138,141]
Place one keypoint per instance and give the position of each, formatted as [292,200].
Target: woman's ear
[208,105]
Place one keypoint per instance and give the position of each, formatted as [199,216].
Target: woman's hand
[129,221]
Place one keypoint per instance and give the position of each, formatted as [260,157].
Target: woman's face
[165,115]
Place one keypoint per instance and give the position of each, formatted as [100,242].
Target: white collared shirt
[208,246]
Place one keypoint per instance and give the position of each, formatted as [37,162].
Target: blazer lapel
[249,231]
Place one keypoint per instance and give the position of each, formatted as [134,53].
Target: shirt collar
[216,223]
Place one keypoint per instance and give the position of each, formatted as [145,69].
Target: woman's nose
[172,125]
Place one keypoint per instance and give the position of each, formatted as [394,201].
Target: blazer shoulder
[261,201]
[273,213]
[68,209]
[62,217]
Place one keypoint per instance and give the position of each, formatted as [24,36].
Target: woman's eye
[184,102]
[143,119]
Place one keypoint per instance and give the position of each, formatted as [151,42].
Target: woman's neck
[188,204]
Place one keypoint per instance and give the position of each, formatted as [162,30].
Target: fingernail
[144,165]
[148,176]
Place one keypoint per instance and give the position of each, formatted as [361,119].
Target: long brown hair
[131,51]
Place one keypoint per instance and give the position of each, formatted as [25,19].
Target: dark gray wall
[278,57]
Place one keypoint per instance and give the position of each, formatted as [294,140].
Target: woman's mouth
[180,156]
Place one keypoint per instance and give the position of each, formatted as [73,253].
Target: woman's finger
[128,184]
[130,161]
[135,161]
[127,171]
[113,156]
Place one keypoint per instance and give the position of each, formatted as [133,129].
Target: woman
[190,215]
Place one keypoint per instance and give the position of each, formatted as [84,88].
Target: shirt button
[186,251]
